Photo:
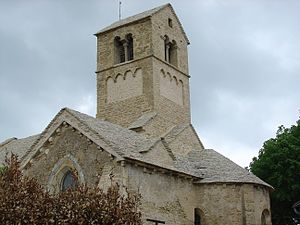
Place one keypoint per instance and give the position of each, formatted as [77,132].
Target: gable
[65,119]
[69,150]
[159,153]
[160,20]
[146,14]
[183,139]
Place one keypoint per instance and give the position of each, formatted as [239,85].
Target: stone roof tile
[16,146]
[143,120]
[141,16]
[124,141]
[216,168]
[202,163]
[132,18]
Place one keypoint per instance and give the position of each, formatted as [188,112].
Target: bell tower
[142,72]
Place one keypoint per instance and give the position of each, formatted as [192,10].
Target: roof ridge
[90,128]
[133,18]
[43,133]
[143,120]
[193,129]
[178,128]
[7,141]
[254,179]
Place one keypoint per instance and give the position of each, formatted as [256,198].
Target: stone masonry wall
[173,200]
[164,197]
[141,33]
[72,150]
[161,28]
[233,203]
[171,102]
[185,142]
[125,111]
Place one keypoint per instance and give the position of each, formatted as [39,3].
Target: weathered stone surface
[142,136]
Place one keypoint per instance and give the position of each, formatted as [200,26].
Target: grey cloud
[244,62]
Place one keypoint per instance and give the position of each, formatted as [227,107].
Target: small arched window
[129,41]
[69,181]
[197,215]
[265,217]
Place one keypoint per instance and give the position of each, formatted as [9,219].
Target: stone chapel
[142,135]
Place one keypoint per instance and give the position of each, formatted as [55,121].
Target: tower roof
[141,16]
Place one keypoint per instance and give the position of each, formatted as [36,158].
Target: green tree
[278,163]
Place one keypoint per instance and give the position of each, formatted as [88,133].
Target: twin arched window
[123,49]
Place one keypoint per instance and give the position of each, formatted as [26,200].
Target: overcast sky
[244,63]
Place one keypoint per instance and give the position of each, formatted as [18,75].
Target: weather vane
[120,5]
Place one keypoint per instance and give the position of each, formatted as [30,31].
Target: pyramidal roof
[141,16]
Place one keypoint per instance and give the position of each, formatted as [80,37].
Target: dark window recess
[170,22]
[170,51]
[119,51]
[69,181]
[122,53]
[123,49]
[130,47]
[197,217]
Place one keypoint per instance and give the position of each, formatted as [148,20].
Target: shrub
[24,201]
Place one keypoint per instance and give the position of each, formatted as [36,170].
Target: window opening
[197,220]
[167,49]
[170,22]
[263,220]
[129,47]
[124,49]
[170,51]
[119,51]
[265,217]
[173,53]
[69,181]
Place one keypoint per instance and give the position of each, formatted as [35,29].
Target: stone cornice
[150,168]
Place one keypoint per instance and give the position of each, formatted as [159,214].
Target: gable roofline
[219,169]
[70,118]
[16,146]
[141,16]
[7,141]
[55,123]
